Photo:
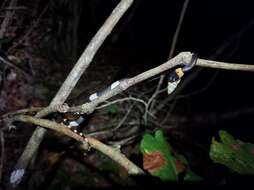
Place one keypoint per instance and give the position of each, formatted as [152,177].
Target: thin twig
[22,111]
[172,50]
[121,100]
[28,33]
[178,28]
[7,19]
[169,112]
[13,8]
[203,89]
[97,134]
[124,141]
[188,95]
[10,64]
[123,119]
[224,65]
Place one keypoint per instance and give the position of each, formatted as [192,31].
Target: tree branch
[86,142]
[224,65]
[181,58]
[70,82]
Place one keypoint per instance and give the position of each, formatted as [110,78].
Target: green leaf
[157,157]
[191,177]
[233,153]
[226,138]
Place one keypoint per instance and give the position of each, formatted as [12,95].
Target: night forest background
[45,38]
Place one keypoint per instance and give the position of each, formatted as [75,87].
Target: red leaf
[152,162]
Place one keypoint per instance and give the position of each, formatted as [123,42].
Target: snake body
[74,124]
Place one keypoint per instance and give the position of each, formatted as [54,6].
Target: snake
[73,125]
[173,80]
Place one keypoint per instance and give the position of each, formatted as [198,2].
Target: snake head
[191,64]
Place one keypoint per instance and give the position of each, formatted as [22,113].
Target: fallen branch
[86,142]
